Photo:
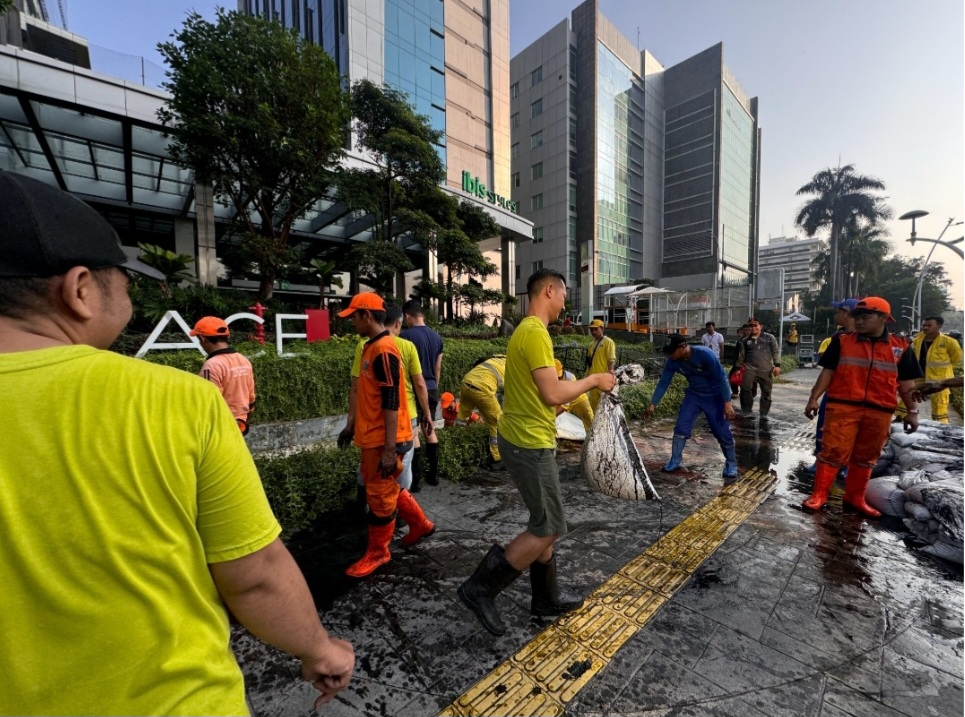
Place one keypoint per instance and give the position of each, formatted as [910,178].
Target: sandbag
[610,459]
[910,478]
[884,494]
[945,550]
[916,511]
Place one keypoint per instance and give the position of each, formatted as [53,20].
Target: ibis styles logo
[473,186]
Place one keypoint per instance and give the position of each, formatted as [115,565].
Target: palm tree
[841,197]
[863,248]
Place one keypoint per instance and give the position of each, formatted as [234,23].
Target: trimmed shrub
[305,485]
[462,449]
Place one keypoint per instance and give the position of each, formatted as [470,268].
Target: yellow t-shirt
[120,481]
[601,356]
[411,366]
[527,422]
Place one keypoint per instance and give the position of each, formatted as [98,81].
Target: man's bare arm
[267,593]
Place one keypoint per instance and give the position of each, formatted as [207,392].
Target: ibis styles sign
[473,186]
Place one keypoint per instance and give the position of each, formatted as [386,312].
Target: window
[514,90]
[537,107]
[537,235]
[573,130]
[517,272]
[515,179]
[572,198]
[514,120]
[537,265]
[514,150]
[536,202]
[536,140]
[537,75]
[536,171]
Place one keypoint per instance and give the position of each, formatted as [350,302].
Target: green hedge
[306,485]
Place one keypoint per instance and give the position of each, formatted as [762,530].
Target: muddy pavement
[794,614]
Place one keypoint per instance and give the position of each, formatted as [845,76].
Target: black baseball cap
[45,232]
[676,341]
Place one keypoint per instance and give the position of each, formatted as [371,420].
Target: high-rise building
[27,25]
[451,57]
[628,170]
[796,257]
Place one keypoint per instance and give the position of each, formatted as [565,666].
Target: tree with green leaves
[840,198]
[403,195]
[259,114]
[5,5]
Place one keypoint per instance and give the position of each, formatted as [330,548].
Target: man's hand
[389,462]
[776,371]
[927,388]
[345,437]
[606,381]
[330,671]
[911,422]
[426,425]
[729,411]
[811,409]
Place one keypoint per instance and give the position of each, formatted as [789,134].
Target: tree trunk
[835,262]
[266,288]
[449,312]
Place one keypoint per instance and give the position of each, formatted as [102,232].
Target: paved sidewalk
[794,614]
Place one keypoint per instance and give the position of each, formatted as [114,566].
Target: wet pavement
[793,614]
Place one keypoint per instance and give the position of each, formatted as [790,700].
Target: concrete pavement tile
[854,601]
[677,631]
[840,700]
[662,682]
[419,706]
[598,696]
[742,605]
[740,663]
[917,689]
[802,594]
[929,648]
[836,632]
[797,698]
[861,673]
[801,651]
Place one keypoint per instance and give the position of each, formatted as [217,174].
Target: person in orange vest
[861,373]
[383,432]
[226,368]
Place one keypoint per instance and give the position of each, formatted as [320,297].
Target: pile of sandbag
[922,480]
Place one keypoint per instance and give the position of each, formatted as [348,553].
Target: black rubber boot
[547,601]
[416,471]
[492,576]
[432,453]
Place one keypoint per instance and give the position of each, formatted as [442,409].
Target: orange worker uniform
[861,399]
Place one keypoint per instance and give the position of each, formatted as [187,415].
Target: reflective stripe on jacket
[943,355]
[867,372]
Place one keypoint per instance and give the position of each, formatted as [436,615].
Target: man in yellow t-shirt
[527,443]
[601,357]
[132,513]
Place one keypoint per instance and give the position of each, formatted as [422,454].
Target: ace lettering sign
[473,186]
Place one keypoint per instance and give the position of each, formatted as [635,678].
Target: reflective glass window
[537,75]
[537,107]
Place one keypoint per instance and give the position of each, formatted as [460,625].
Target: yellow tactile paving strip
[550,670]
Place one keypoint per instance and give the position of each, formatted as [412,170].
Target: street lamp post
[917,214]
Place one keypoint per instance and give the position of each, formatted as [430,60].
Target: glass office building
[644,172]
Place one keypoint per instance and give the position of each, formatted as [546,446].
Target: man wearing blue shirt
[707,392]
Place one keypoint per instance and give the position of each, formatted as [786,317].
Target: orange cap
[874,303]
[210,326]
[446,399]
[366,300]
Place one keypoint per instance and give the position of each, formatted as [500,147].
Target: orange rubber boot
[823,478]
[855,486]
[419,525]
[377,553]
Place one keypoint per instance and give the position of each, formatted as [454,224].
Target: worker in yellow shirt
[478,391]
[579,406]
[938,354]
[601,357]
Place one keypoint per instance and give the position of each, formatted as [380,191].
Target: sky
[879,84]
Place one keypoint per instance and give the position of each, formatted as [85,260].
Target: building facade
[630,170]
[796,256]
[451,58]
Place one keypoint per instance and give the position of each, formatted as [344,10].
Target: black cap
[46,232]
[676,341]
